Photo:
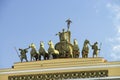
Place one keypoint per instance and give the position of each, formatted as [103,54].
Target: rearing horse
[43,52]
[85,49]
[33,52]
[52,50]
[76,50]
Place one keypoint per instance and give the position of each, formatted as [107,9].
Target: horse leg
[36,58]
[87,55]
[39,57]
[77,55]
[83,54]
[73,54]
[57,55]
[93,55]
[26,59]
[54,56]
[21,59]
[44,57]
[47,55]
[31,58]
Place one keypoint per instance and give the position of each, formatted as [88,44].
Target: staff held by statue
[17,52]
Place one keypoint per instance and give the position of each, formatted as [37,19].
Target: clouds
[115,10]
[115,41]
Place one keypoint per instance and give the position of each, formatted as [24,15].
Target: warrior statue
[95,49]
[23,54]
[85,49]
[62,35]
[68,23]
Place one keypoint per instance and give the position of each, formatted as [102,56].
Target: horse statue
[85,49]
[76,50]
[43,52]
[52,51]
[34,54]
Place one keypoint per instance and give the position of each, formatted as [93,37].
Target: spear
[17,52]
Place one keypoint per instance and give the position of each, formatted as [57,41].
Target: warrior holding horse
[85,49]
[43,52]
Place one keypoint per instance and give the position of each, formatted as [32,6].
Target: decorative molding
[56,69]
[59,76]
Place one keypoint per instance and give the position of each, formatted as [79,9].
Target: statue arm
[98,48]
[57,34]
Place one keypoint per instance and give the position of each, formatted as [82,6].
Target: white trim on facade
[101,78]
[55,69]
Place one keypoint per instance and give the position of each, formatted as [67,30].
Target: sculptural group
[63,49]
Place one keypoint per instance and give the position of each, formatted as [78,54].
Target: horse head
[50,43]
[51,48]
[41,44]
[42,50]
[75,42]
[85,49]
[86,42]
[32,45]
[75,45]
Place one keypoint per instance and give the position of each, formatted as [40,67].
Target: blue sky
[30,21]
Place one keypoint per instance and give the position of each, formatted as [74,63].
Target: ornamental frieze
[60,76]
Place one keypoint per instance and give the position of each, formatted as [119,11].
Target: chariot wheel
[65,49]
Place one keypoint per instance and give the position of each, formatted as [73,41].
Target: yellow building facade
[64,68]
